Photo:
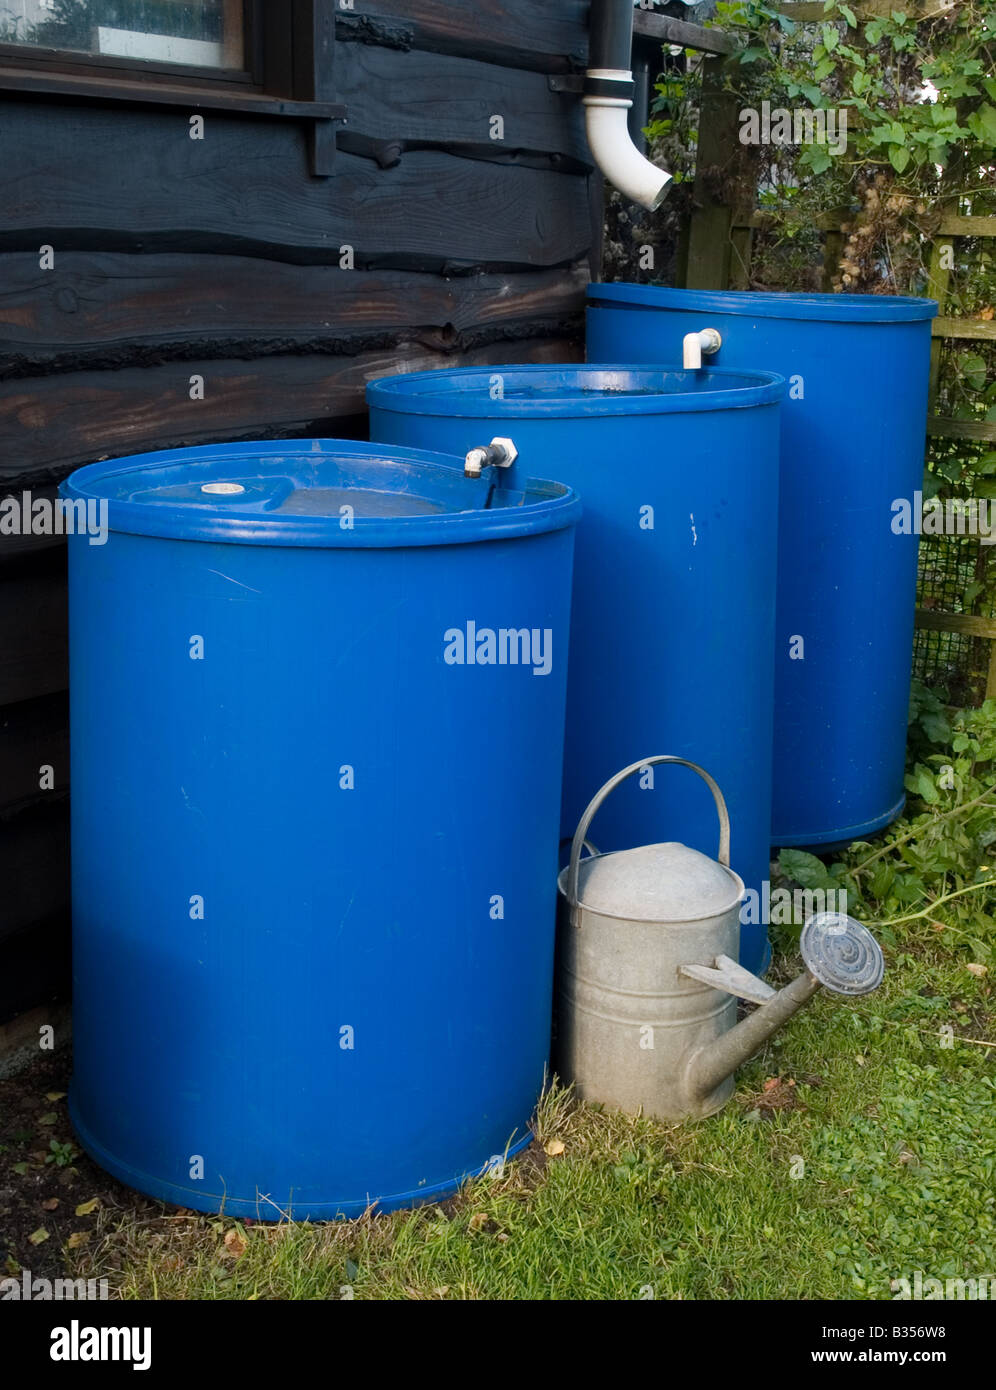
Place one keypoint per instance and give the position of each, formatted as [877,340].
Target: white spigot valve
[696,345]
[500,453]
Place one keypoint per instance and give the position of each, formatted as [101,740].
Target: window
[246,57]
[201,34]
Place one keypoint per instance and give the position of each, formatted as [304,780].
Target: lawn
[860,1145]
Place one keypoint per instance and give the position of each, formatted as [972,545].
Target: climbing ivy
[919,83]
[916,86]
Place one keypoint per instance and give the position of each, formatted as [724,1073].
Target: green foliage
[878,70]
[933,870]
[925,1161]
[806,870]
[918,95]
[673,128]
[62,1155]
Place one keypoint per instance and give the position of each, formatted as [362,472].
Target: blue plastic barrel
[673,622]
[318,700]
[853,431]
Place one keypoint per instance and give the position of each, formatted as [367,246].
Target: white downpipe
[693,345]
[607,125]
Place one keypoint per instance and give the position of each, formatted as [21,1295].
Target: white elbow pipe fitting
[693,345]
[612,148]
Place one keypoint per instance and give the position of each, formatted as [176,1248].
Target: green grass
[879,1160]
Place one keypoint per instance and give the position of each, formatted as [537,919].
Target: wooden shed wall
[224,258]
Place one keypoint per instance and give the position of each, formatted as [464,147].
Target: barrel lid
[316,492]
[568,391]
[657,883]
[841,308]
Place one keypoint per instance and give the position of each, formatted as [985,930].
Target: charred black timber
[52,424]
[247,189]
[33,631]
[34,870]
[544,35]
[36,959]
[431,99]
[119,311]
[34,735]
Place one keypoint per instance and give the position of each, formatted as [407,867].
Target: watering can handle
[613,782]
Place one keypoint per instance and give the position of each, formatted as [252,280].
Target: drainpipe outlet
[608,96]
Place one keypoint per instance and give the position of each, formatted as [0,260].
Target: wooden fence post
[709,237]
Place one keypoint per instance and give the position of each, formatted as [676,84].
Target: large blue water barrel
[853,430]
[315,822]
[673,623]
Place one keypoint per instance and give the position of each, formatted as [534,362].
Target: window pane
[197,33]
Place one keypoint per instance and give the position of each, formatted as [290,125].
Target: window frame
[70,60]
[289,72]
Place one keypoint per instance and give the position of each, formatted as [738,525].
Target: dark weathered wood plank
[661,29]
[314,49]
[14,548]
[84,179]
[97,311]
[546,35]
[186,96]
[50,425]
[431,97]
[34,735]
[36,969]
[34,871]
[33,636]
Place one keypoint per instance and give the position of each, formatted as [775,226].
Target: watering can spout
[840,955]
[709,1066]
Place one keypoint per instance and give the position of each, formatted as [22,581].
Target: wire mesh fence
[957,575]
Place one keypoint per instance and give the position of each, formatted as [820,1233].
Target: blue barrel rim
[403,394]
[554,506]
[791,304]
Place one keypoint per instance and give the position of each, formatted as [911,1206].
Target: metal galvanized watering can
[648,979]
